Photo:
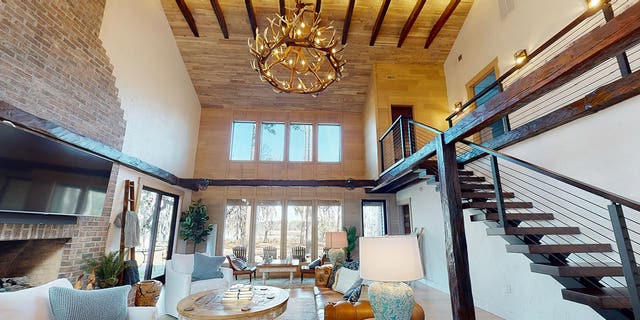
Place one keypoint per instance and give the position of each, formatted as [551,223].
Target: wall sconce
[457,106]
[591,4]
[520,57]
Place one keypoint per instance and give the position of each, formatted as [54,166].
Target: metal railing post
[409,136]
[497,186]
[402,137]
[627,257]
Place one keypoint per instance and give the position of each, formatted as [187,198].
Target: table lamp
[388,261]
[336,241]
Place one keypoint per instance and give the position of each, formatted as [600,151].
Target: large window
[373,218]
[299,226]
[236,225]
[268,228]
[329,143]
[272,142]
[300,142]
[243,140]
[329,219]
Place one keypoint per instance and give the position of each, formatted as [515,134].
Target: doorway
[407,132]
[158,211]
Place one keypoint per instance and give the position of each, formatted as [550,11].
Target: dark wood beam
[410,21]
[318,5]
[347,21]
[220,16]
[349,183]
[252,16]
[55,132]
[454,233]
[590,50]
[186,13]
[283,10]
[379,19]
[600,99]
[448,11]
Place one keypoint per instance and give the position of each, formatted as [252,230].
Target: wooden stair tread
[465,173]
[586,269]
[532,231]
[513,216]
[475,186]
[606,298]
[494,205]
[559,248]
[472,179]
[486,195]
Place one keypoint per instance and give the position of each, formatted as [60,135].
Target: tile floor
[301,304]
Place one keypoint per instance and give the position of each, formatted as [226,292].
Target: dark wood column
[455,238]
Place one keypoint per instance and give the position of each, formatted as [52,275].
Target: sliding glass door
[157,214]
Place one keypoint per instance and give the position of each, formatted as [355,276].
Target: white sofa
[178,283]
[33,304]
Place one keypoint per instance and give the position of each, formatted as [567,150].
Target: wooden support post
[455,239]
[623,60]
[497,186]
[627,257]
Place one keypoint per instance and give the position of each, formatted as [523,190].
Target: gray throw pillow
[102,304]
[206,267]
[238,263]
[332,276]
[353,294]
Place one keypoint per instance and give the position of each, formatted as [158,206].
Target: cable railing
[569,92]
[601,216]
[403,138]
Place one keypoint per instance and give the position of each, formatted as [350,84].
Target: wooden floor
[301,306]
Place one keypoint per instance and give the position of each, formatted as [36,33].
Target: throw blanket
[131,230]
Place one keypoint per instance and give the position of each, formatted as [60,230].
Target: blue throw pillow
[102,304]
[206,267]
[314,264]
[353,294]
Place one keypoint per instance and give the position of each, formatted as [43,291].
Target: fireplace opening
[26,263]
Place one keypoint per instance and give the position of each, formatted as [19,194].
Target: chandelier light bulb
[317,63]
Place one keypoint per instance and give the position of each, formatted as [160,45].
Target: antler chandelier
[297,54]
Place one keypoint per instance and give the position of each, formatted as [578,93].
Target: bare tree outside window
[236,224]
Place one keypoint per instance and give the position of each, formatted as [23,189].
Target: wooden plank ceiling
[220,70]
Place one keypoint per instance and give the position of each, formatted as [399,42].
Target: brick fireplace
[53,65]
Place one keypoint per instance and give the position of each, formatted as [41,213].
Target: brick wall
[53,65]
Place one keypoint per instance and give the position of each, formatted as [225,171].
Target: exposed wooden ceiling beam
[410,21]
[379,19]
[318,5]
[188,16]
[252,17]
[441,21]
[223,24]
[282,8]
[347,21]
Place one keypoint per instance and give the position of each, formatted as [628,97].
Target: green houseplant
[193,223]
[352,237]
[107,268]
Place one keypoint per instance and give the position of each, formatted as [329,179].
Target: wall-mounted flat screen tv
[39,175]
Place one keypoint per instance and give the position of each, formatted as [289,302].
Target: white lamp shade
[391,259]
[336,240]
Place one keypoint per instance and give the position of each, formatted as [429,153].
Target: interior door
[157,213]
[409,139]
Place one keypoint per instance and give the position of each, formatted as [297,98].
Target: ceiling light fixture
[297,54]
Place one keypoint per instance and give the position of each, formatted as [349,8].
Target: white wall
[485,35]
[502,282]
[161,107]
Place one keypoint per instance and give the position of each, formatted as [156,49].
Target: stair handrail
[386,132]
[560,177]
[424,126]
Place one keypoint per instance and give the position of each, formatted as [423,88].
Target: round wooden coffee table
[208,305]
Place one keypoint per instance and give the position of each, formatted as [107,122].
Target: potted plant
[107,268]
[193,223]
[352,237]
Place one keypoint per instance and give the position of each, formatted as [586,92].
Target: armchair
[178,282]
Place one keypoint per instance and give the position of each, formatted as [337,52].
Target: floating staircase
[582,280]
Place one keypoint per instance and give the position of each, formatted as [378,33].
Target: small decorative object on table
[389,261]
